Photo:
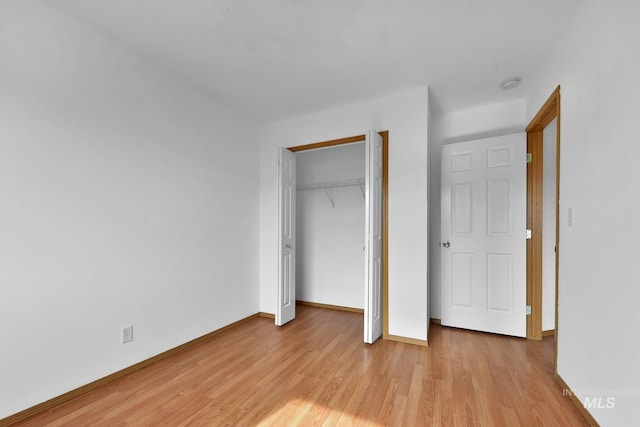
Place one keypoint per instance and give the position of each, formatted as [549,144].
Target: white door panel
[373,233]
[483,235]
[286,305]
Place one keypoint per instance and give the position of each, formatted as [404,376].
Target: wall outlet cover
[127,334]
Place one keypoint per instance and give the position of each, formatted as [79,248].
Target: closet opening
[330,209]
[333,228]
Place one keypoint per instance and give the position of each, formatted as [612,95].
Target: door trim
[550,110]
[385,211]
[331,143]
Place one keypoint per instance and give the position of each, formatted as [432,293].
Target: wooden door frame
[385,210]
[549,111]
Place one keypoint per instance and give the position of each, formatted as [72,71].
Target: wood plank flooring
[316,371]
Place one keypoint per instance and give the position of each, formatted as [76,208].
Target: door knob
[446,244]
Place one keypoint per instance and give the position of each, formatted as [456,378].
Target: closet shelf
[334,184]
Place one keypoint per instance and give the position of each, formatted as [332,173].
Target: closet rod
[332,184]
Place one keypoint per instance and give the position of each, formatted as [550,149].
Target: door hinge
[529,157]
[528,234]
[528,310]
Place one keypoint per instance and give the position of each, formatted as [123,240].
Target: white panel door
[373,233]
[286,306]
[484,235]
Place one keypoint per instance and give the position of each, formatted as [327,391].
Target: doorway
[376,323]
[330,209]
[549,114]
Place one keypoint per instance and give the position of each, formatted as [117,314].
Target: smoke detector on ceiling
[510,83]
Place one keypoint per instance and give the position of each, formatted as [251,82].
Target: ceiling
[282,58]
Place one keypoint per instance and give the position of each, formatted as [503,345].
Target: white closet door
[373,233]
[286,305]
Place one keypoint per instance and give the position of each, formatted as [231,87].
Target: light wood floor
[317,371]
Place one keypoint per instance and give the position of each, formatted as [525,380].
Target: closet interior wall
[330,226]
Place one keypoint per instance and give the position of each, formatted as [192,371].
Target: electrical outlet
[127,334]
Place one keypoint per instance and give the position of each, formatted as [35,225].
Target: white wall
[549,226]
[405,115]
[330,238]
[127,198]
[481,122]
[597,64]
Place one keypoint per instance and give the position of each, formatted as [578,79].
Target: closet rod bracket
[326,191]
